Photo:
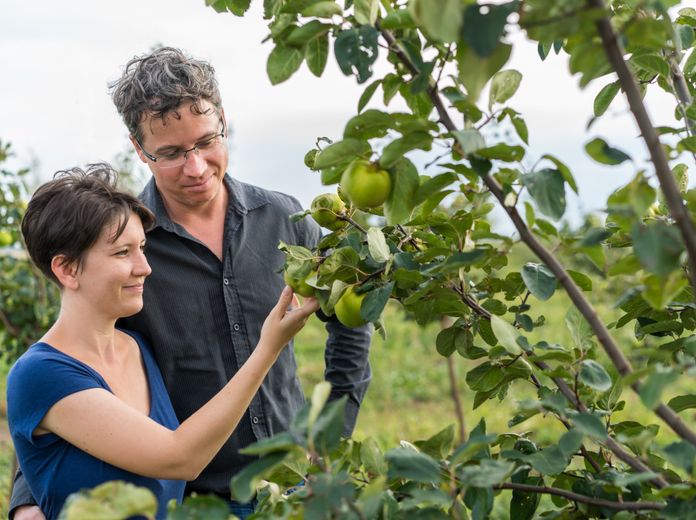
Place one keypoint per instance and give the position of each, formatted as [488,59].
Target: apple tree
[443,259]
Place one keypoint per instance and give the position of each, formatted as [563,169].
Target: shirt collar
[243,198]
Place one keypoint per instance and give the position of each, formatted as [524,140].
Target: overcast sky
[56,59]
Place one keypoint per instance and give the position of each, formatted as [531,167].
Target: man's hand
[28,513]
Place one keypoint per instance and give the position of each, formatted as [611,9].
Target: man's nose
[195,165]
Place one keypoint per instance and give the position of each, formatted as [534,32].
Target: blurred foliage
[28,302]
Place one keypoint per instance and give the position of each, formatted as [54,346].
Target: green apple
[347,308]
[299,285]
[325,210]
[5,238]
[366,184]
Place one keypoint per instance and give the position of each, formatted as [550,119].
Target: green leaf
[309,31]
[280,442]
[484,377]
[475,71]
[549,461]
[395,150]
[328,428]
[115,499]
[341,152]
[367,94]
[356,50]
[441,19]
[521,128]
[377,244]
[399,19]
[282,63]
[483,28]
[658,246]
[503,86]
[682,402]
[605,97]
[506,334]
[243,484]
[487,473]
[372,457]
[582,280]
[570,443]
[398,207]
[547,189]
[197,507]
[236,7]
[580,330]
[539,279]
[688,143]
[590,425]
[434,185]
[371,123]
[452,338]
[565,171]
[366,11]
[325,9]
[375,301]
[594,375]
[317,54]
[455,261]
[651,389]
[320,395]
[652,63]
[409,464]
[502,152]
[470,140]
[681,454]
[601,152]
[439,445]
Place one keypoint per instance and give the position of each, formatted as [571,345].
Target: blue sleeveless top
[53,467]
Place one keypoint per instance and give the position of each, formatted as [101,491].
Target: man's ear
[65,272]
[138,149]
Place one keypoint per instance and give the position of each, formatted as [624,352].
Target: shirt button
[225,281]
[255,420]
[236,327]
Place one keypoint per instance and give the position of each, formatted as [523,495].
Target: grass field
[409,397]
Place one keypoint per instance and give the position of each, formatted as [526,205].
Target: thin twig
[583,499]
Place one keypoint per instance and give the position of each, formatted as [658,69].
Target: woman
[86,404]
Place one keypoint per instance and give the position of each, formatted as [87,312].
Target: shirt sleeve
[347,350]
[38,381]
[21,494]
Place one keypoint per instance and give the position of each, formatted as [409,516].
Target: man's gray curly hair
[156,84]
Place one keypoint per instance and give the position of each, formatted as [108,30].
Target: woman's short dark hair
[66,215]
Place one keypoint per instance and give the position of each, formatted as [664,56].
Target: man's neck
[205,223]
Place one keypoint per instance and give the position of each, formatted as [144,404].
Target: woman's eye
[122,252]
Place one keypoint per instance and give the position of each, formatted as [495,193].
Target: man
[213,252]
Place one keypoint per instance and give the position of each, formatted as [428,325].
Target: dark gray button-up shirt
[203,318]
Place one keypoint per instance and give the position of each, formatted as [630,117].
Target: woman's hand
[286,319]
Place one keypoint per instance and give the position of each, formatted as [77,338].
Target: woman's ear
[65,272]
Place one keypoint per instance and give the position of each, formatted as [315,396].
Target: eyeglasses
[177,158]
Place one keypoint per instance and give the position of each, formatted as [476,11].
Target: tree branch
[575,497]
[668,184]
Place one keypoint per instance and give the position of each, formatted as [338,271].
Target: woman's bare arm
[99,423]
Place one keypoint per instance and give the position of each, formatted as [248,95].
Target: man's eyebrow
[172,148]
